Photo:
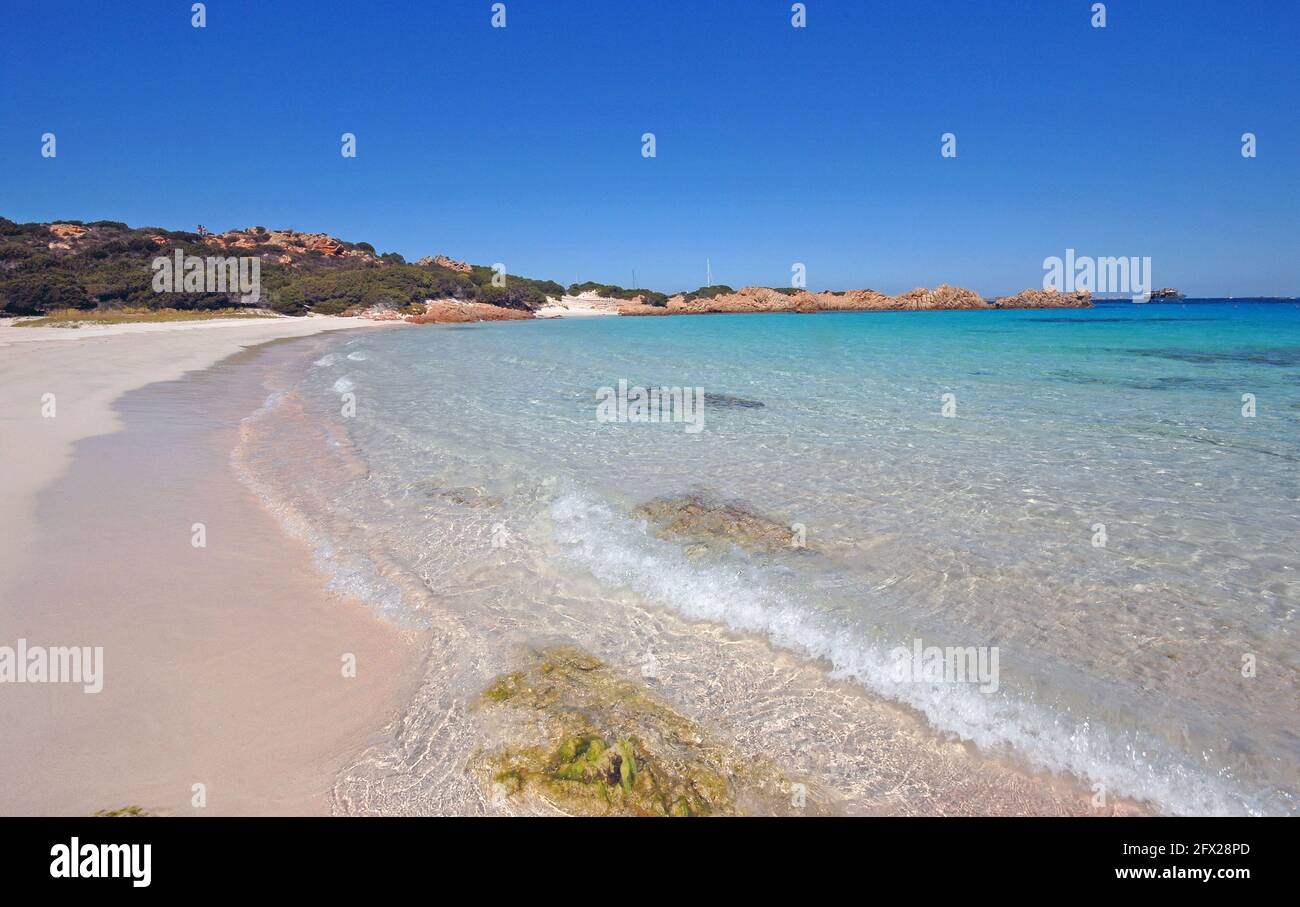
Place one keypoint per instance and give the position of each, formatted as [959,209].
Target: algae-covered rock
[579,738]
[699,517]
[504,687]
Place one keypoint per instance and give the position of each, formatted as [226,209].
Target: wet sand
[223,665]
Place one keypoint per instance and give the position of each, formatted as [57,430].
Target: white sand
[585,306]
[221,667]
[87,369]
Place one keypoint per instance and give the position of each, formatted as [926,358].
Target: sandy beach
[185,498]
[222,664]
[587,305]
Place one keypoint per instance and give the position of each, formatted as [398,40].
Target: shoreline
[221,664]
[862,753]
[62,362]
[293,760]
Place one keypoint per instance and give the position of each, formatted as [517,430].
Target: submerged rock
[584,740]
[728,400]
[470,496]
[698,517]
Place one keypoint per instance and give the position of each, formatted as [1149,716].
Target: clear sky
[774,144]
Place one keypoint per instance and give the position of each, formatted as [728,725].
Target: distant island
[106,266]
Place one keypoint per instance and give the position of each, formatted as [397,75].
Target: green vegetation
[518,292]
[106,266]
[336,292]
[611,291]
[717,289]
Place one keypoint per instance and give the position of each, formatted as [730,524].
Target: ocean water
[474,487]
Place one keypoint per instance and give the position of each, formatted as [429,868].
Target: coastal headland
[66,270]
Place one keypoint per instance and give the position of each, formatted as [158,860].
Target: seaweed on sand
[582,739]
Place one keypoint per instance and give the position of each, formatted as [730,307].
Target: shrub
[612,291]
[717,289]
[34,294]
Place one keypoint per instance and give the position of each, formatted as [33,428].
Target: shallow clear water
[475,469]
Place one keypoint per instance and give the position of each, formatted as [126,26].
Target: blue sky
[774,144]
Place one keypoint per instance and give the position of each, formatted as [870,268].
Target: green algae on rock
[581,739]
[697,516]
[121,811]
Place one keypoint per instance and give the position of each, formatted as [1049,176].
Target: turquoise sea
[1099,504]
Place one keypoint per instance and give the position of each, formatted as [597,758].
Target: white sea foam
[620,551]
[344,385]
[358,356]
[325,361]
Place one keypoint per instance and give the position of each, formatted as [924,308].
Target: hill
[107,265]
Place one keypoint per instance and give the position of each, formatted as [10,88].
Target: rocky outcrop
[326,245]
[942,297]
[65,235]
[1045,299]
[748,299]
[453,311]
[442,261]
[376,313]
[285,245]
[68,231]
[640,308]
[766,299]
